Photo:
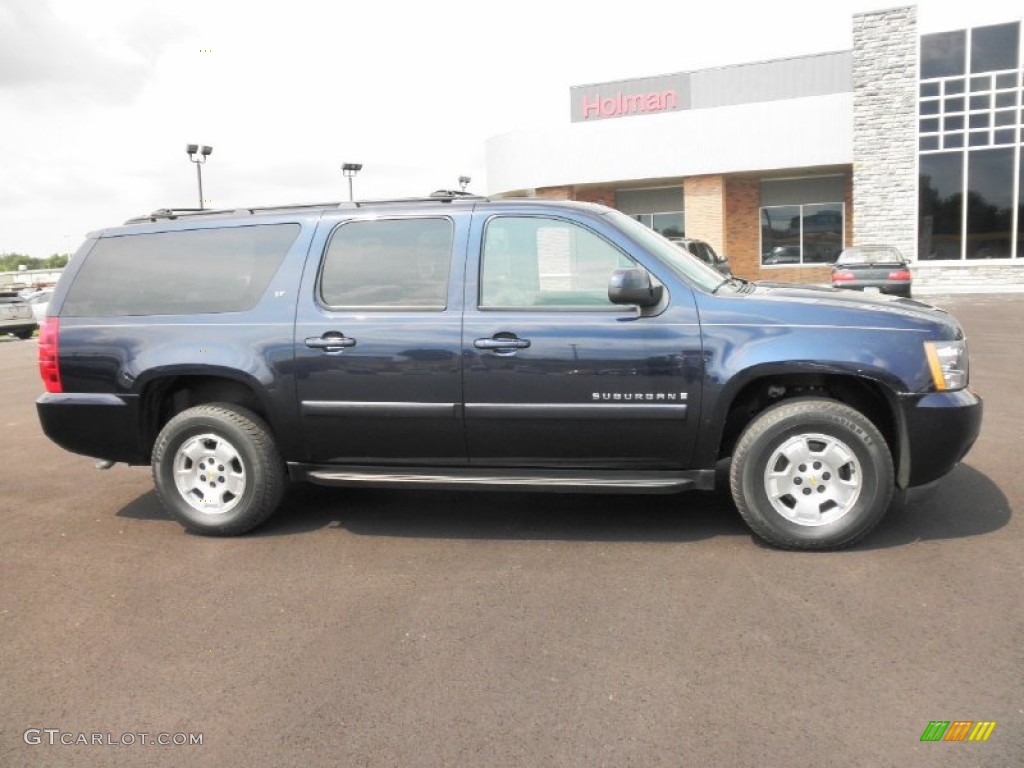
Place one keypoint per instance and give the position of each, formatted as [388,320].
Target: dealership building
[909,139]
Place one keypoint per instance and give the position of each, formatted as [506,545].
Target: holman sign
[649,95]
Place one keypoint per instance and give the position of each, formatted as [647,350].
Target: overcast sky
[98,98]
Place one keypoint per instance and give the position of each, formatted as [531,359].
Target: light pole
[350,170]
[203,152]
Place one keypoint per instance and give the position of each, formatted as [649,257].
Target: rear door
[555,375]
[377,340]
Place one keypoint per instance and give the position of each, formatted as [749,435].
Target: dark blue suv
[462,342]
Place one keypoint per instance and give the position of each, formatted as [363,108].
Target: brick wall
[556,193]
[742,228]
[602,196]
[704,200]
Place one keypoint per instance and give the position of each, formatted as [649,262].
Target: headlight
[947,361]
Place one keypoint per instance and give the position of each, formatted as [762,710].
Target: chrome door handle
[502,344]
[330,342]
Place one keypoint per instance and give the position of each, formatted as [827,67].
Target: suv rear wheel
[811,474]
[217,470]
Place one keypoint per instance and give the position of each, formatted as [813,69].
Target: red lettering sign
[620,104]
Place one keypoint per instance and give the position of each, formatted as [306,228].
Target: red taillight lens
[900,274]
[841,275]
[49,368]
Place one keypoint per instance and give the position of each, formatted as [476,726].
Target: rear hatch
[13,307]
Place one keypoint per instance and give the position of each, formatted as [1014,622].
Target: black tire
[830,500]
[25,333]
[230,475]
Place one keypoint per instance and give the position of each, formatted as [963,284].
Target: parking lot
[388,628]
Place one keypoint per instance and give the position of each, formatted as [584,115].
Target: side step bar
[551,481]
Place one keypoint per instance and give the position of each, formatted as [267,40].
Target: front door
[555,375]
[378,342]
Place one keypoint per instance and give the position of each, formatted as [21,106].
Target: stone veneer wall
[885,85]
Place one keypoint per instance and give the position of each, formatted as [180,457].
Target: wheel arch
[163,397]
[759,390]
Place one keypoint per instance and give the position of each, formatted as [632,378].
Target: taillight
[843,274]
[49,367]
[900,274]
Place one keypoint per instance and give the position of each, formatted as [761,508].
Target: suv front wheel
[811,474]
[217,470]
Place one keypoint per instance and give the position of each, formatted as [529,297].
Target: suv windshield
[687,265]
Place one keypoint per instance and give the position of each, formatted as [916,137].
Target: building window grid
[935,94]
[951,118]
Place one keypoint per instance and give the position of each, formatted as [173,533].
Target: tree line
[9,262]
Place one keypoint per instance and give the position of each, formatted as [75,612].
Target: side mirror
[633,285]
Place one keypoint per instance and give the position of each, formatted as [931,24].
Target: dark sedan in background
[873,269]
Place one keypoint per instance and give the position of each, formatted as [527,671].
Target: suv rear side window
[541,263]
[388,264]
[192,271]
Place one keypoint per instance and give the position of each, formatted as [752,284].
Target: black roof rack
[440,196]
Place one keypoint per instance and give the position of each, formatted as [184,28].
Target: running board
[551,481]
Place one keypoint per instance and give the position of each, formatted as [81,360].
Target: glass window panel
[1020,208]
[980,120]
[1005,117]
[956,104]
[953,140]
[981,83]
[1006,99]
[954,86]
[989,203]
[539,263]
[388,263]
[186,272]
[668,224]
[1006,80]
[981,102]
[929,89]
[929,107]
[929,142]
[929,125]
[978,139]
[1007,136]
[780,234]
[940,206]
[955,123]
[943,54]
[823,232]
[995,47]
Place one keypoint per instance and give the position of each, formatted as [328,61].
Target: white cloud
[99,98]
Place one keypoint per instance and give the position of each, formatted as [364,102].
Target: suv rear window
[177,273]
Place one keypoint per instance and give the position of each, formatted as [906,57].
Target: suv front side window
[542,263]
[388,264]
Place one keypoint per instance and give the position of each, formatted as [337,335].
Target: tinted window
[941,206]
[989,203]
[388,263]
[173,273]
[994,47]
[943,54]
[539,263]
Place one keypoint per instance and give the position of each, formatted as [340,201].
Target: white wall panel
[793,133]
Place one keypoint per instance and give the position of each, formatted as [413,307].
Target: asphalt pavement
[402,628]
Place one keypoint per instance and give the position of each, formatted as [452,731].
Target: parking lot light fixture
[198,155]
[350,170]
